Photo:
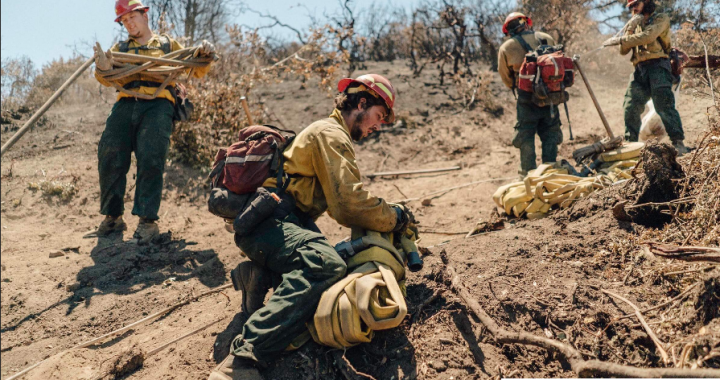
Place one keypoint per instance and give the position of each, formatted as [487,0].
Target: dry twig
[346,368]
[660,345]
[579,365]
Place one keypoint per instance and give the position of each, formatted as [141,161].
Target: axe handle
[244,102]
[594,99]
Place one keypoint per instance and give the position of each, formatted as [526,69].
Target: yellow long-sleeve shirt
[649,40]
[156,44]
[512,54]
[325,177]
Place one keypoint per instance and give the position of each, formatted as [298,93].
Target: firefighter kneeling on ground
[322,175]
[531,118]
[139,125]
[649,39]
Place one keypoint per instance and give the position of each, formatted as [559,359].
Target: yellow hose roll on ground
[536,215]
[502,191]
[625,152]
[327,310]
[515,196]
[545,208]
[540,170]
[519,208]
[530,181]
[559,199]
[379,255]
[535,206]
[370,298]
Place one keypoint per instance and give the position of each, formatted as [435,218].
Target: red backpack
[546,73]
[245,165]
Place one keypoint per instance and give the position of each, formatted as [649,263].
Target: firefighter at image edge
[650,42]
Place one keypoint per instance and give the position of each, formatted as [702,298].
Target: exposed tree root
[582,367]
[685,253]
[346,368]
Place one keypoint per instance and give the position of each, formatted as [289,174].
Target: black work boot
[235,368]
[680,147]
[253,281]
[146,230]
[109,225]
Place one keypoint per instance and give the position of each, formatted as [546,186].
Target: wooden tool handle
[244,102]
[576,61]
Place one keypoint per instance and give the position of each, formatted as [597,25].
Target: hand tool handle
[576,61]
[567,114]
[244,102]
[46,106]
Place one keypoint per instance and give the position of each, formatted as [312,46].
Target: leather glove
[206,48]
[612,41]
[103,60]
[404,218]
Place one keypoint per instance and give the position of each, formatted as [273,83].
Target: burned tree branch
[579,365]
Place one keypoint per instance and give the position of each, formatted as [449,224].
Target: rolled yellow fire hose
[370,298]
[550,187]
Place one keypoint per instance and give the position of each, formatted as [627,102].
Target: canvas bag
[256,156]
[546,73]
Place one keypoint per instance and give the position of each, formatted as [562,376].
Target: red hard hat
[631,3]
[379,85]
[514,16]
[123,7]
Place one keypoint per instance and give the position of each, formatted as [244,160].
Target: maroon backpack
[245,165]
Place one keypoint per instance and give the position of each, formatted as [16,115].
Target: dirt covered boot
[108,226]
[146,230]
[254,282]
[680,147]
[235,368]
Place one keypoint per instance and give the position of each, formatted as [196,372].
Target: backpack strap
[124,46]
[523,43]
[165,45]
[543,41]
[283,179]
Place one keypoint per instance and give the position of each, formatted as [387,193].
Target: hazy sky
[47,29]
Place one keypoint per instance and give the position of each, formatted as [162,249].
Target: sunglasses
[635,5]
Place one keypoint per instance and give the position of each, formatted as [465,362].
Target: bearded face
[356,129]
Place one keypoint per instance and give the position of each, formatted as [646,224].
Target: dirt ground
[538,276]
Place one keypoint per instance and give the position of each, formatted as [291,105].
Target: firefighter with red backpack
[314,172]
[533,117]
[649,40]
[136,125]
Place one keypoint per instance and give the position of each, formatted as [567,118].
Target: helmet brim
[344,83]
[144,9]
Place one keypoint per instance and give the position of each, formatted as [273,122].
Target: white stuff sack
[652,125]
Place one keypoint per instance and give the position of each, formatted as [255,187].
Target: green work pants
[308,265]
[543,121]
[143,127]
[652,80]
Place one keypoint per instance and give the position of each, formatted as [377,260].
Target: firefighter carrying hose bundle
[141,124]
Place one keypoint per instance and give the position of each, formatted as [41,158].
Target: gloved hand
[206,48]
[612,41]
[404,217]
[632,24]
[103,60]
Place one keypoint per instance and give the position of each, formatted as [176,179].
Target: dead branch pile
[570,354]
